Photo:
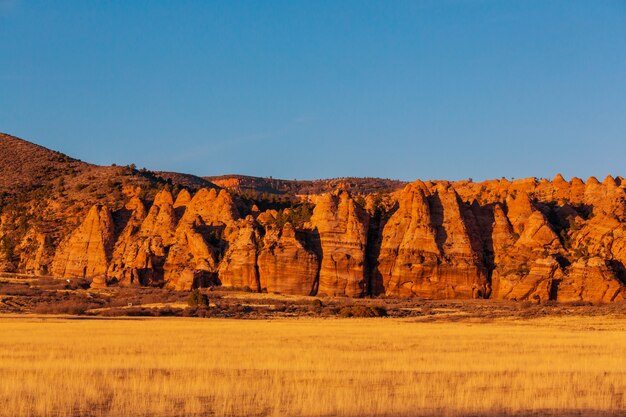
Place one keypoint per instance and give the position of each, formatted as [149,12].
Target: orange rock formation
[521,240]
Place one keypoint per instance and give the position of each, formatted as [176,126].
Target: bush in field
[197,299]
[362,311]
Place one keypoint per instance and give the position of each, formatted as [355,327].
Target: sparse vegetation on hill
[24,164]
[256,186]
[188,181]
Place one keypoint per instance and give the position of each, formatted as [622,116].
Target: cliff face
[140,250]
[427,248]
[87,251]
[239,266]
[286,266]
[342,227]
[520,240]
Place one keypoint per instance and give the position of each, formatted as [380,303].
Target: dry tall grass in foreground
[311,367]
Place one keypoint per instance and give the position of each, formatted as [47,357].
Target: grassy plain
[311,367]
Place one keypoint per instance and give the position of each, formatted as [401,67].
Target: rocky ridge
[520,240]
[529,239]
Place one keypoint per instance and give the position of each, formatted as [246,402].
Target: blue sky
[318,89]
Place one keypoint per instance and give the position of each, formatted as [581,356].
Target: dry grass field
[311,367]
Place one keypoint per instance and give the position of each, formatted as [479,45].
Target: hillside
[24,164]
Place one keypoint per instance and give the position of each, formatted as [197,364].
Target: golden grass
[309,367]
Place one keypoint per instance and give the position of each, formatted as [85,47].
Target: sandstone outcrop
[201,237]
[536,283]
[286,266]
[87,251]
[526,239]
[239,267]
[426,249]
[99,281]
[191,251]
[526,251]
[182,199]
[212,207]
[140,250]
[34,254]
[342,227]
[530,239]
[591,280]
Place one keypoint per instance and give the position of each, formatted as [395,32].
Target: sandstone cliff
[87,251]
[520,240]
[239,267]
[342,228]
[201,237]
[426,248]
[286,266]
[140,250]
[528,239]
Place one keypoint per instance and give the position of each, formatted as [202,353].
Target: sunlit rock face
[528,239]
[86,252]
[286,266]
[342,227]
[428,249]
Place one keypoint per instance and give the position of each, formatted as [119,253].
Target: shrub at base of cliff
[316,306]
[197,299]
[362,311]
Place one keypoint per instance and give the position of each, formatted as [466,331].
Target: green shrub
[297,216]
[196,298]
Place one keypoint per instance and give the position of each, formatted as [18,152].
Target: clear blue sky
[316,89]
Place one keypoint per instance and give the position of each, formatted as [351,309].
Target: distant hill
[25,164]
[185,180]
[243,183]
